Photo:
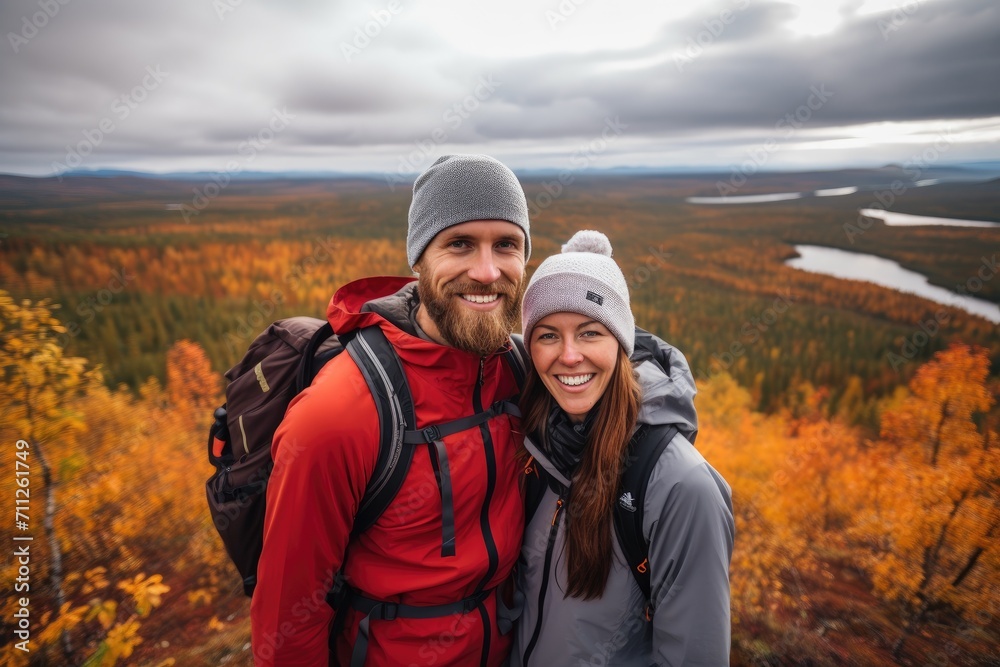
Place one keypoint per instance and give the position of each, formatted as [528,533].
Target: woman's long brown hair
[589,549]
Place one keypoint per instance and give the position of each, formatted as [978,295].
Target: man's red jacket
[324,453]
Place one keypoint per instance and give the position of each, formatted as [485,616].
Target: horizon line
[297,174]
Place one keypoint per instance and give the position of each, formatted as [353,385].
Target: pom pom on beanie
[589,241]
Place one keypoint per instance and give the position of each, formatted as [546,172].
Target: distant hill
[204,175]
[860,176]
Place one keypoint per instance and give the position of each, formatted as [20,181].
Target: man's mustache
[501,287]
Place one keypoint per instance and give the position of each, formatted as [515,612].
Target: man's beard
[464,328]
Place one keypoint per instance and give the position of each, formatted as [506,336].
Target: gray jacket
[688,522]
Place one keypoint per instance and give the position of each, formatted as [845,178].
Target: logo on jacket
[626,501]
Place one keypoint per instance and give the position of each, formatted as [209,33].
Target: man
[468,241]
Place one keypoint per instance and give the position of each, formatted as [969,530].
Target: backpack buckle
[389,611]
[431,434]
[469,604]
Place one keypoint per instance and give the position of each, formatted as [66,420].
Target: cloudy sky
[389,85]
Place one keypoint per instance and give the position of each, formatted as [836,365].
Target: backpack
[281,362]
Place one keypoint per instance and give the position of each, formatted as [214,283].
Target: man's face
[471,283]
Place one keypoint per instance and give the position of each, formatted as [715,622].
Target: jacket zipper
[484,514]
[545,580]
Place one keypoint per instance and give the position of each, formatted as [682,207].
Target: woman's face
[575,356]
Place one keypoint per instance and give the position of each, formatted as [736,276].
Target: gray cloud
[709,78]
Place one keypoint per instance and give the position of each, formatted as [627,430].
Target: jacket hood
[351,307]
[668,387]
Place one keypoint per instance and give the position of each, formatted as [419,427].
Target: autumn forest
[857,425]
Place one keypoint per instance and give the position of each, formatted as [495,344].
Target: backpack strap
[433,433]
[643,452]
[383,372]
[534,488]
[516,358]
[390,611]
[536,480]
[310,363]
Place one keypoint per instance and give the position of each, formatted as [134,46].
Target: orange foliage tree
[39,381]
[754,455]
[192,386]
[119,499]
[932,510]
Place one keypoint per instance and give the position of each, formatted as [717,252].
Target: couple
[428,581]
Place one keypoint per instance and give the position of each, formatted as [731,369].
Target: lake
[786,196]
[893,219]
[775,196]
[836,192]
[745,199]
[887,273]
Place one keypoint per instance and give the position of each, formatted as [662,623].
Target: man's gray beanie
[461,188]
[582,279]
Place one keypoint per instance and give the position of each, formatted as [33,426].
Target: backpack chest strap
[433,435]
[435,432]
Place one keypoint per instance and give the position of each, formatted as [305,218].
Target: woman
[582,404]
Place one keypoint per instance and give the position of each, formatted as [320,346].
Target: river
[887,273]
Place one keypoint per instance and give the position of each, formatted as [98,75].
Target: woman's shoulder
[682,472]
[678,455]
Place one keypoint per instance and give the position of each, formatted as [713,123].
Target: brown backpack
[260,388]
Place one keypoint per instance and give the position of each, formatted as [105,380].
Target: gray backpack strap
[517,359]
[383,372]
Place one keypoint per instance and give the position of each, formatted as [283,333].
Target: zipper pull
[482,365]
[530,468]
[559,506]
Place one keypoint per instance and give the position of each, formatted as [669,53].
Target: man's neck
[429,327]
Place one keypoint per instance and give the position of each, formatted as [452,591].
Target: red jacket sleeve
[324,453]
